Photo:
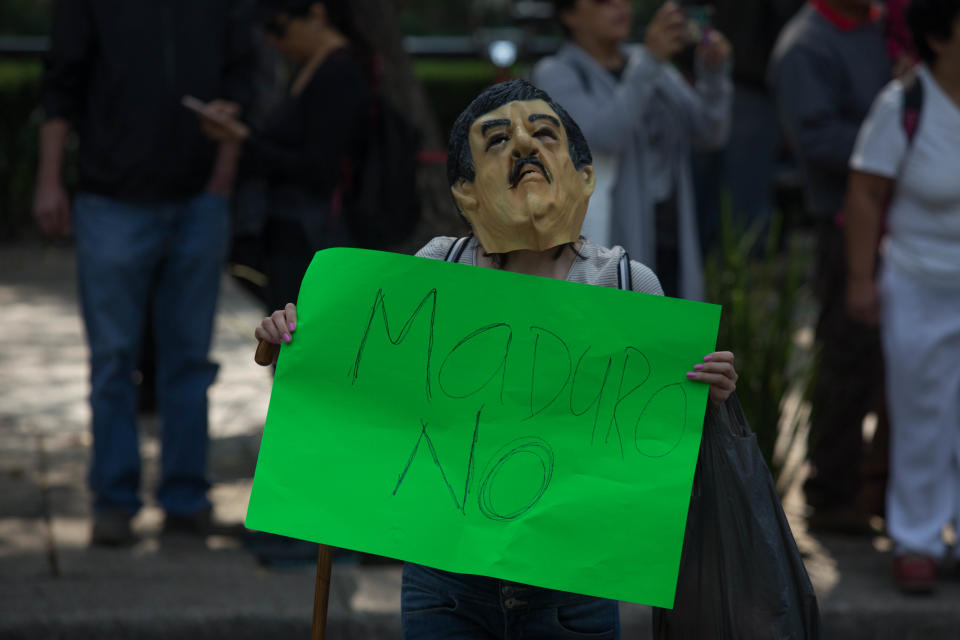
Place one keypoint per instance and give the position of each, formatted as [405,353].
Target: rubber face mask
[526,192]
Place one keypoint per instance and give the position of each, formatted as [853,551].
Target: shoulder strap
[456,249]
[912,105]
[624,275]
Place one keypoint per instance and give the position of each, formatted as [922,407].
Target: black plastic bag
[741,575]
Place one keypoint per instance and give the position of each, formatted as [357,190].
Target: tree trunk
[379,24]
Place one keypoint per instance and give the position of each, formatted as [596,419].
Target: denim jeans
[163,259]
[440,605]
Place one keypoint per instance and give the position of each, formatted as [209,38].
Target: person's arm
[807,89]
[51,206]
[237,90]
[867,196]
[708,106]
[875,165]
[64,91]
[224,169]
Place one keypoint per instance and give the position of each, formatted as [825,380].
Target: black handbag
[741,575]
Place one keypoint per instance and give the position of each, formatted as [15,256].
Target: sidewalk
[53,586]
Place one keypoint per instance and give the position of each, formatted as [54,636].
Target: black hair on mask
[459,157]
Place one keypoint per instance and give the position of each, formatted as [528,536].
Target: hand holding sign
[718,370]
[276,328]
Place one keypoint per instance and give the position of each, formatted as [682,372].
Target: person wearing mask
[521,174]
[312,139]
[910,181]
[636,109]
[151,224]
[828,65]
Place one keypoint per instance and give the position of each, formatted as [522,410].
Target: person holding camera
[643,116]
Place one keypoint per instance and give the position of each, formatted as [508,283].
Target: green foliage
[25,17]
[19,99]
[761,288]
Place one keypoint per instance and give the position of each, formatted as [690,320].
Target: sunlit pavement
[52,585]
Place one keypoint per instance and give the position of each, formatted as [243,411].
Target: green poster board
[484,422]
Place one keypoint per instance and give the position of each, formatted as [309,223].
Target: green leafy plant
[759,279]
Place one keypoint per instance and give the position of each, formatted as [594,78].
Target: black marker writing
[380,302]
[501,362]
[596,398]
[530,445]
[669,446]
[533,369]
[614,423]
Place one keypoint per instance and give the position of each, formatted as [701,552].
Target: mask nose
[523,144]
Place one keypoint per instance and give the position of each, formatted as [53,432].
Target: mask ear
[589,180]
[464,195]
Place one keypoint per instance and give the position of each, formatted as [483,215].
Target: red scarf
[844,22]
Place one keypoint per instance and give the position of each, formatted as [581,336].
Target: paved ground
[53,586]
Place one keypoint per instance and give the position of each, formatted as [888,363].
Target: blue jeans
[440,605]
[163,259]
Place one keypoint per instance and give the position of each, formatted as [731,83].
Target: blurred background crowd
[169,140]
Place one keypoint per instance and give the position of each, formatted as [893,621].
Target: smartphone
[199,106]
[699,21]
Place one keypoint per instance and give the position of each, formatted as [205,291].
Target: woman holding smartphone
[643,117]
[306,144]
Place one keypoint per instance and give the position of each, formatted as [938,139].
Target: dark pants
[849,383]
[135,259]
[439,605]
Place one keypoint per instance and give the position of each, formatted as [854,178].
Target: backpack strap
[912,105]
[624,275]
[456,249]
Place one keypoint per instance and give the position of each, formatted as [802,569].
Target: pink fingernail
[286,337]
[691,374]
[697,367]
[708,358]
[290,326]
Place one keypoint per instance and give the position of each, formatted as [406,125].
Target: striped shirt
[598,266]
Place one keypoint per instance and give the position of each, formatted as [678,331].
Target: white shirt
[924,215]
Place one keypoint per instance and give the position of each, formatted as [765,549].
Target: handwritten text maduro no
[549,376]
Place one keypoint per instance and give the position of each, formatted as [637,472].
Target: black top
[117,70]
[307,139]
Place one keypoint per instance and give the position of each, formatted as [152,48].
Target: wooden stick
[321,594]
[266,353]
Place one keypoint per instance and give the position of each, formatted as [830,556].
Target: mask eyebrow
[544,116]
[490,124]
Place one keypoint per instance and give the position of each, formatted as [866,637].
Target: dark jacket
[307,139]
[118,69]
[824,81]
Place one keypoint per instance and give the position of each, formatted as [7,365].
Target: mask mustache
[520,163]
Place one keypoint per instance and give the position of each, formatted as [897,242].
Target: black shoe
[112,529]
[194,524]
